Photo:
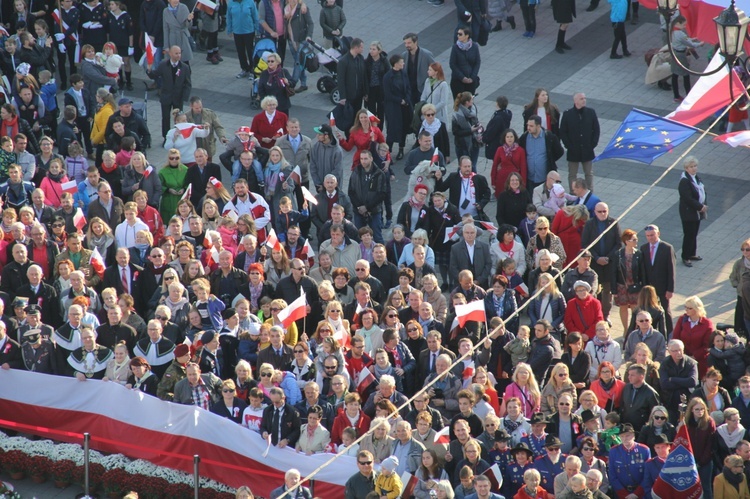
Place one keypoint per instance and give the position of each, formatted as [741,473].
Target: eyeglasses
[660,418]
[365,463]
[562,375]
[644,320]
[275,309]
[296,268]
[227,390]
[606,371]
[588,449]
[490,424]
[391,315]
[412,329]
[566,404]
[429,114]
[359,270]
[542,228]
[299,351]
[322,330]
[266,375]
[334,311]
[157,256]
[57,226]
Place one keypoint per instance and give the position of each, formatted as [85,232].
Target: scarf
[142,249]
[102,243]
[110,169]
[602,346]
[697,184]
[310,432]
[378,371]
[175,306]
[543,243]
[272,177]
[255,293]
[510,149]
[731,439]
[55,178]
[433,128]
[734,479]
[711,397]
[139,382]
[464,45]
[275,77]
[507,248]
[607,386]
[11,126]
[338,326]
[415,204]
[510,425]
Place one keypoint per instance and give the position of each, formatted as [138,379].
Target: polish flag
[700,15]
[450,232]
[307,249]
[207,243]
[229,207]
[297,175]
[364,380]
[215,255]
[708,95]
[409,482]
[186,129]
[443,436]
[279,132]
[309,196]
[148,171]
[206,6]
[522,289]
[232,215]
[97,262]
[216,183]
[472,311]
[435,156]
[735,139]
[490,227]
[79,220]
[70,187]
[495,476]
[467,375]
[372,117]
[188,192]
[150,50]
[295,311]
[332,120]
[273,241]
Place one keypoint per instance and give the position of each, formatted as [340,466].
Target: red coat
[263,129]
[591,311]
[604,396]
[570,235]
[540,493]
[341,422]
[503,165]
[696,340]
[151,217]
[361,140]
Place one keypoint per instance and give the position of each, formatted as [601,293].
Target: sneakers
[615,56]
[302,88]
[243,74]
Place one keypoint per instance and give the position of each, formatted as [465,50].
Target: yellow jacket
[100,124]
[389,486]
[723,490]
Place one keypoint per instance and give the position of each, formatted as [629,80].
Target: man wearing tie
[659,267]
[280,421]
[428,356]
[42,294]
[123,276]
[473,255]
[277,353]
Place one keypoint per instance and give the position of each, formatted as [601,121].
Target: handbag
[416,119]
[484,32]
[290,91]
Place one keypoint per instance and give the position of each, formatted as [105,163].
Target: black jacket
[199,182]
[382,68]
[133,123]
[579,131]
[439,222]
[151,22]
[46,297]
[289,422]
[494,132]
[636,411]
[689,204]
[387,274]
[608,247]
[352,79]
[404,218]
[465,63]
[552,144]
[175,90]
[367,193]
[453,184]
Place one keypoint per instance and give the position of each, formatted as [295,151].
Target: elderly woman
[378,441]
[559,383]
[290,333]
[545,239]
[716,397]
[642,355]
[501,302]
[583,311]
[271,123]
[588,401]
[351,416]
[524,388]
[578,361]
[432,295]
[275,81]
[172,178]
[230,406]
[277,267]
[731,483]
[694,329]
[507,246]
[339,389]
[544,260]
[436,127]
[607,387]
[568,225]
[278,178]
[141,377]
[177,22]
[549,305]
[177,300]
[314,438]
[693,209]
[344,292]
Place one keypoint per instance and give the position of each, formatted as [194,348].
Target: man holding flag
[176,85]
[298,284]
[425,152]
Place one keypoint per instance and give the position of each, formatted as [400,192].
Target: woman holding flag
[139,176]
[183,137]
[172,178]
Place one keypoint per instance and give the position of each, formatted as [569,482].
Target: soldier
[523,460]
[536,439]
[38,353]
[174,373]
[627,463]
[551,464]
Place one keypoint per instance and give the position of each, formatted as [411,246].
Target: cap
[20,301]
[552,441]
[32,332]
[324,130]
[33,310]
[588,415]
[208,337]
[23,69]
[228,313]
[539,418]
[124,100]
[627,428]
[244,129]
[181,350]
[389,464]
[582,284]
[585,254]
[661,439]
[522,447]
[502,435]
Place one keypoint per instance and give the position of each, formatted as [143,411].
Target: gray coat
[415,454]
[94,77]
[325,159]
[424,59]
[177,31]
[301,25]
[183,394]
[150,184]
[301,158]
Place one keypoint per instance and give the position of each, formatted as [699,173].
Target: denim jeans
[299,72]
[374,221]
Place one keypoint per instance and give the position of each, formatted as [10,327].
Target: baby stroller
[329,58]
[263,48]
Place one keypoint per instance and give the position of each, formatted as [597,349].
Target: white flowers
[74,452]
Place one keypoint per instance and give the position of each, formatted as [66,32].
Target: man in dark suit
[473,255]
[123,276]
[638,398]
[280,421]
[277,353]
[352,80]
[604,252]
[176,85]
[107,207]
[361,301]
[428,356]
[40,293]
[659,264]
[579,131]
[466,190]
[198,176]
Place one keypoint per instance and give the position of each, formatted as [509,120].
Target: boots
[498,26]
[560,41]
[563,44]
[218,56]
[128,80]
[512,21]
[594,4]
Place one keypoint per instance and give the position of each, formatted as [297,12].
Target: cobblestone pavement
[515,66]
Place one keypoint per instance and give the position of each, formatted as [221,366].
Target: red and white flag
[70,187]
[436,156]
[490,227]
[495,476]
[232,215]
[216,182]
[472,311]
[148,171]
[279,132]
[294,311]
[97,262]
[215,255]
[186,129]
[149,50]
[467,375]
[409,482]
[309,196]
[522,289]
[79,220]
[450,232]
[206,6]
[207,243]
[372,117]
[443,436]
[708,95]
[307,249]
[364,380]
[332,120]
[273,241]
[188,192]
[297,175]
[230,207]
[735,139]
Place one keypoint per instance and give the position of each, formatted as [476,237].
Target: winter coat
[369,194]
[151,20]
[465,63]
[440,95]
[579,131]
[177,30]
[396,89]
[563,11]
[331,18]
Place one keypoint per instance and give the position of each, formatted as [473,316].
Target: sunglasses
[331,368]
[392,315]
[57,226]
[359,270]
[160,317]
[564,404]
[660,418]
[588,448]
[334,311]
[324,330]
[365,463]
[299,351]
[170,278]
[412,329]
[174,158]
[227,390]
[429,114]
[562,375]
[266,375]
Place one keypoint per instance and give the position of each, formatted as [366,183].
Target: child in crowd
[610,436]
[9,218]
[48,94]
[110,61]
[88,319]
[527,227]
[388,483]
[7,157]
[288,217]
[520,346]
[348,436]
[515,281]
[127,148]
[287,381]
[248,345]
[265,309]
[328,346]
[253,414]
[332,20]
[243,141]
[727,355]
[76,163]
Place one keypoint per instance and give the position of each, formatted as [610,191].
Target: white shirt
[467,194]
[470,249]
[125,233]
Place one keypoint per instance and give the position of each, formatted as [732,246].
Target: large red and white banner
[700,15]
[167,434]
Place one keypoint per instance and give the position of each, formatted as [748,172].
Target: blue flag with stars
[644,137]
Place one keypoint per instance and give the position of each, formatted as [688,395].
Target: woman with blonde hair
[290,333]
[702,431]
[568,226]
[219,195]
[118,369]
[99,235]
[731,483]
[107,107]
[431,294]
[210,214]
[134,178]
[525,388]
[172,177]
[549,305]
[694,330]
[434,125]
[176,138]
[588,400]
[334,314]
[559,383]
[139,254]
[642,355]
[545,239]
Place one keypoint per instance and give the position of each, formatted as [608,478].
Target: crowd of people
[163,280]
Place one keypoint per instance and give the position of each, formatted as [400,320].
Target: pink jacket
[52,191]
[529,408]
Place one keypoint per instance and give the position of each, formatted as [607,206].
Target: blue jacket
[242,17]
[626,468]
[618,10]
[9,197]
[549,471]
[82,196]
[651,473]
[509,306]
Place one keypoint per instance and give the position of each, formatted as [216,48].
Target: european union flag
[644,137]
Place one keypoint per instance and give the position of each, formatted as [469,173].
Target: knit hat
[389,464]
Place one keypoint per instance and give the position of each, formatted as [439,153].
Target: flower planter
[38,478]
[17,475]
[62,484]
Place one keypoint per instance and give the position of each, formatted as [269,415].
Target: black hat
[588,415]
[502,435]
[522,447]
[661,439]
[627,428]
[124,100]
[33,309]
[208,337]
[228,313]
[539,418]
[324,130]
[585,254]
[552,441]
